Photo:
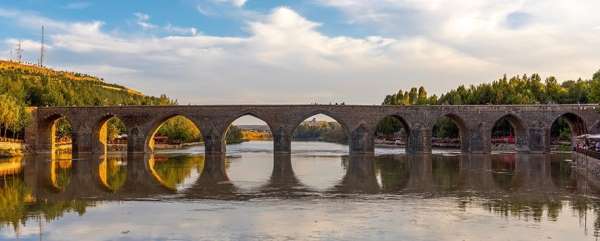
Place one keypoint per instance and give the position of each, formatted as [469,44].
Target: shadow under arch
[392,124]
[460,124]
[47,137]
[101,133]
[519,128]
[155,127]
[577,125]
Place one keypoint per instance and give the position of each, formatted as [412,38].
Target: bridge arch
[339,119]
[253,114]
[236,133]
[303,121]
[457,122]
[394,128]
[517,132]
[101,133]
[577,125]
[48,132]
[155,127]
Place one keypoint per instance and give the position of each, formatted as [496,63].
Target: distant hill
[33,85]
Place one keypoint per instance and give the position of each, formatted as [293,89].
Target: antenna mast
[41,62]
[19,51]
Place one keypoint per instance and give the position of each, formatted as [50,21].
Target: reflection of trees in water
[525,207]
[18,204]
[60,173]
[14,196]
[113,173]
[173,170]
[394,172]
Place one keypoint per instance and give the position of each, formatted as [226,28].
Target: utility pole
[41,61]
[19,51]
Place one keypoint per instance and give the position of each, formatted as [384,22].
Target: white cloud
[169,28]
[285,58]
[517,35]
[237,3]
[142,20]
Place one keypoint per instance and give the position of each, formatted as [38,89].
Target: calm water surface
[319,192]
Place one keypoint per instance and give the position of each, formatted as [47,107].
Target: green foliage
[516,90]
[115,127]
[234,135]
[13,117]
[445,128]
[63,129]
[180,130]
[174,170]
[389,126]
[320,131]
[25,85]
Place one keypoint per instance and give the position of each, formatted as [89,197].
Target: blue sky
[353,51]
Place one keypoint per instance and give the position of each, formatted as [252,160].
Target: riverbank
[12,149]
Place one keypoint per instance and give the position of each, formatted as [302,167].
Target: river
[319,192]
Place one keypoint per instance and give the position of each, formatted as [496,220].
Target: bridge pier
[419,141]
[81,142]
[282,141]
[136,141]
[214,145]
[361,141]
[478,140]
[539,140]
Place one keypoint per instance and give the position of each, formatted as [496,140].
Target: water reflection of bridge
[514,174]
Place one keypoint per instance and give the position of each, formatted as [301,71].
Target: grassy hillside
[23,85]
[39,86]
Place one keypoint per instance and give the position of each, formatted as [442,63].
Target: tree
[422,96]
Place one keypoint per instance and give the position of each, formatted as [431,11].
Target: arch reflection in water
[176,172]
[60,173]
[535,187]
[112,172]
[283,179]
[213,181]
[360,175]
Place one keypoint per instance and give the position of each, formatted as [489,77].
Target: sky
[301,52]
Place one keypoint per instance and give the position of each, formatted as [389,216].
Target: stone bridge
[531,123]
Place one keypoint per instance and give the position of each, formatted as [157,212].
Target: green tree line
[321,131]
[522,89]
